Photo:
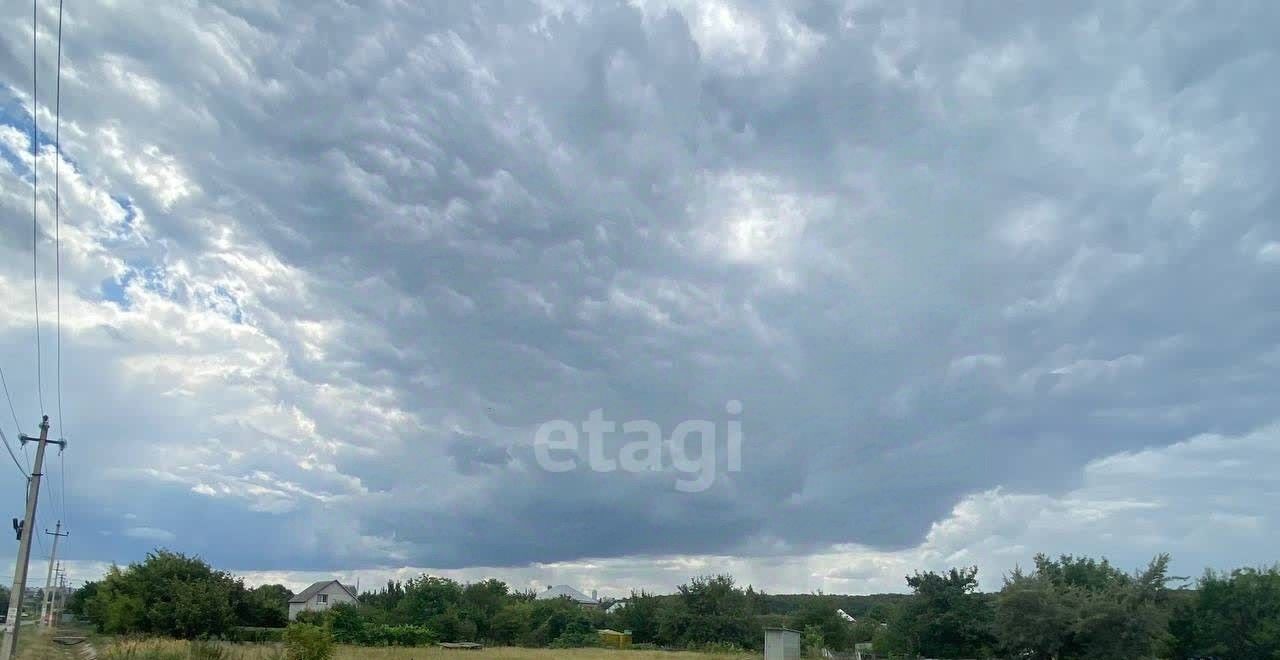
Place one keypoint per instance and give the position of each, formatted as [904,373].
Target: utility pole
[24,529]
[46,609]
[59,598]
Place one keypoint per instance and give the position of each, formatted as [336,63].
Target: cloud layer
[986,283]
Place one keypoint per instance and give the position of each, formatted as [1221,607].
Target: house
[846,616]
[566,591]
[321,596]
[616,607]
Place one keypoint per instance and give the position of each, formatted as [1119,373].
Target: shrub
[254,635]
[304,641]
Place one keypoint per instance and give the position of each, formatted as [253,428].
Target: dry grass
[178,650]
[357,653]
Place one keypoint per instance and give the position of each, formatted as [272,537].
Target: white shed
[321,596]
[781,644]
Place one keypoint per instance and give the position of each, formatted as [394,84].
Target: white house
[566,591]
[616,607]
[321,596]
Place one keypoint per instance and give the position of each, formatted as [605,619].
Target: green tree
[820,613]
[511,624]
[168,593]
[1076,607]
[1234,615]
[946,618]
[640,616]
[709,610]
[1034,618]
[812,643]
[265,606]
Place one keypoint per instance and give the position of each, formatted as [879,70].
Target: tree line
[1061,608]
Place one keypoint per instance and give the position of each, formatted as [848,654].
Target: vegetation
[163,649]
[175,595]
[304,641]
[1065,608]
[1236,615]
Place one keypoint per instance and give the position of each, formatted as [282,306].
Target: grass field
[168,649]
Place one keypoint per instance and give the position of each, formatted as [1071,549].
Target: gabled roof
[565,591]
[307,594]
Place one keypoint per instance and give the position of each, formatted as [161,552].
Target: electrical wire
[57,242]
[35,195]
[12,455]
[16,423]
[62,485]
[10,400]
[57,217]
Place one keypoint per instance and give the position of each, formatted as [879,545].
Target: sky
[973,280]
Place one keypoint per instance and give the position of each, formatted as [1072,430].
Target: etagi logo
[692,447]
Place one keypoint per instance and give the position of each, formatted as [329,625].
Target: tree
[820,613]
[946,618]
[265,606]
[1236,615]
[77,603]
[168,593]
[812,642]
[1082,608]
[708,610]
[511,624]
[1034,617]
[640,616]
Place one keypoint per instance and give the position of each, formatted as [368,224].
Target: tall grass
[177,649]
[171,649]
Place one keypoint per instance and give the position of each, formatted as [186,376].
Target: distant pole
[46,609]
[25,533]
[59,596]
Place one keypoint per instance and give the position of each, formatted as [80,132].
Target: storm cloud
[986,280]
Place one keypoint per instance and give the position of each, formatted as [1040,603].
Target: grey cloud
[932,252]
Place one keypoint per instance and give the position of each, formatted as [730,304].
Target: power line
[57,242]
[12,455]
[10,400]
[35,195]
[57,215]
[62,484]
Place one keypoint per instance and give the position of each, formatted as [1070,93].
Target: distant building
[321,596]
[617,607]
[846,616]
[566,591]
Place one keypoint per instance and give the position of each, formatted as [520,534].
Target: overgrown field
[169,649]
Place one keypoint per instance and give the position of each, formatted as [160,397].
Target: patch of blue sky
[13,113]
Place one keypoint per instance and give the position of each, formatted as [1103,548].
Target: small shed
[781,644]
[613,639]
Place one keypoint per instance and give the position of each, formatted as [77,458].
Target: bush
[254,635]
[384,635]
[304,641]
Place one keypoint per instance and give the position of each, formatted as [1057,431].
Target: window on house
[322,599]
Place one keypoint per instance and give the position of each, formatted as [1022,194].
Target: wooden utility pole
[46,607]
[25,533]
